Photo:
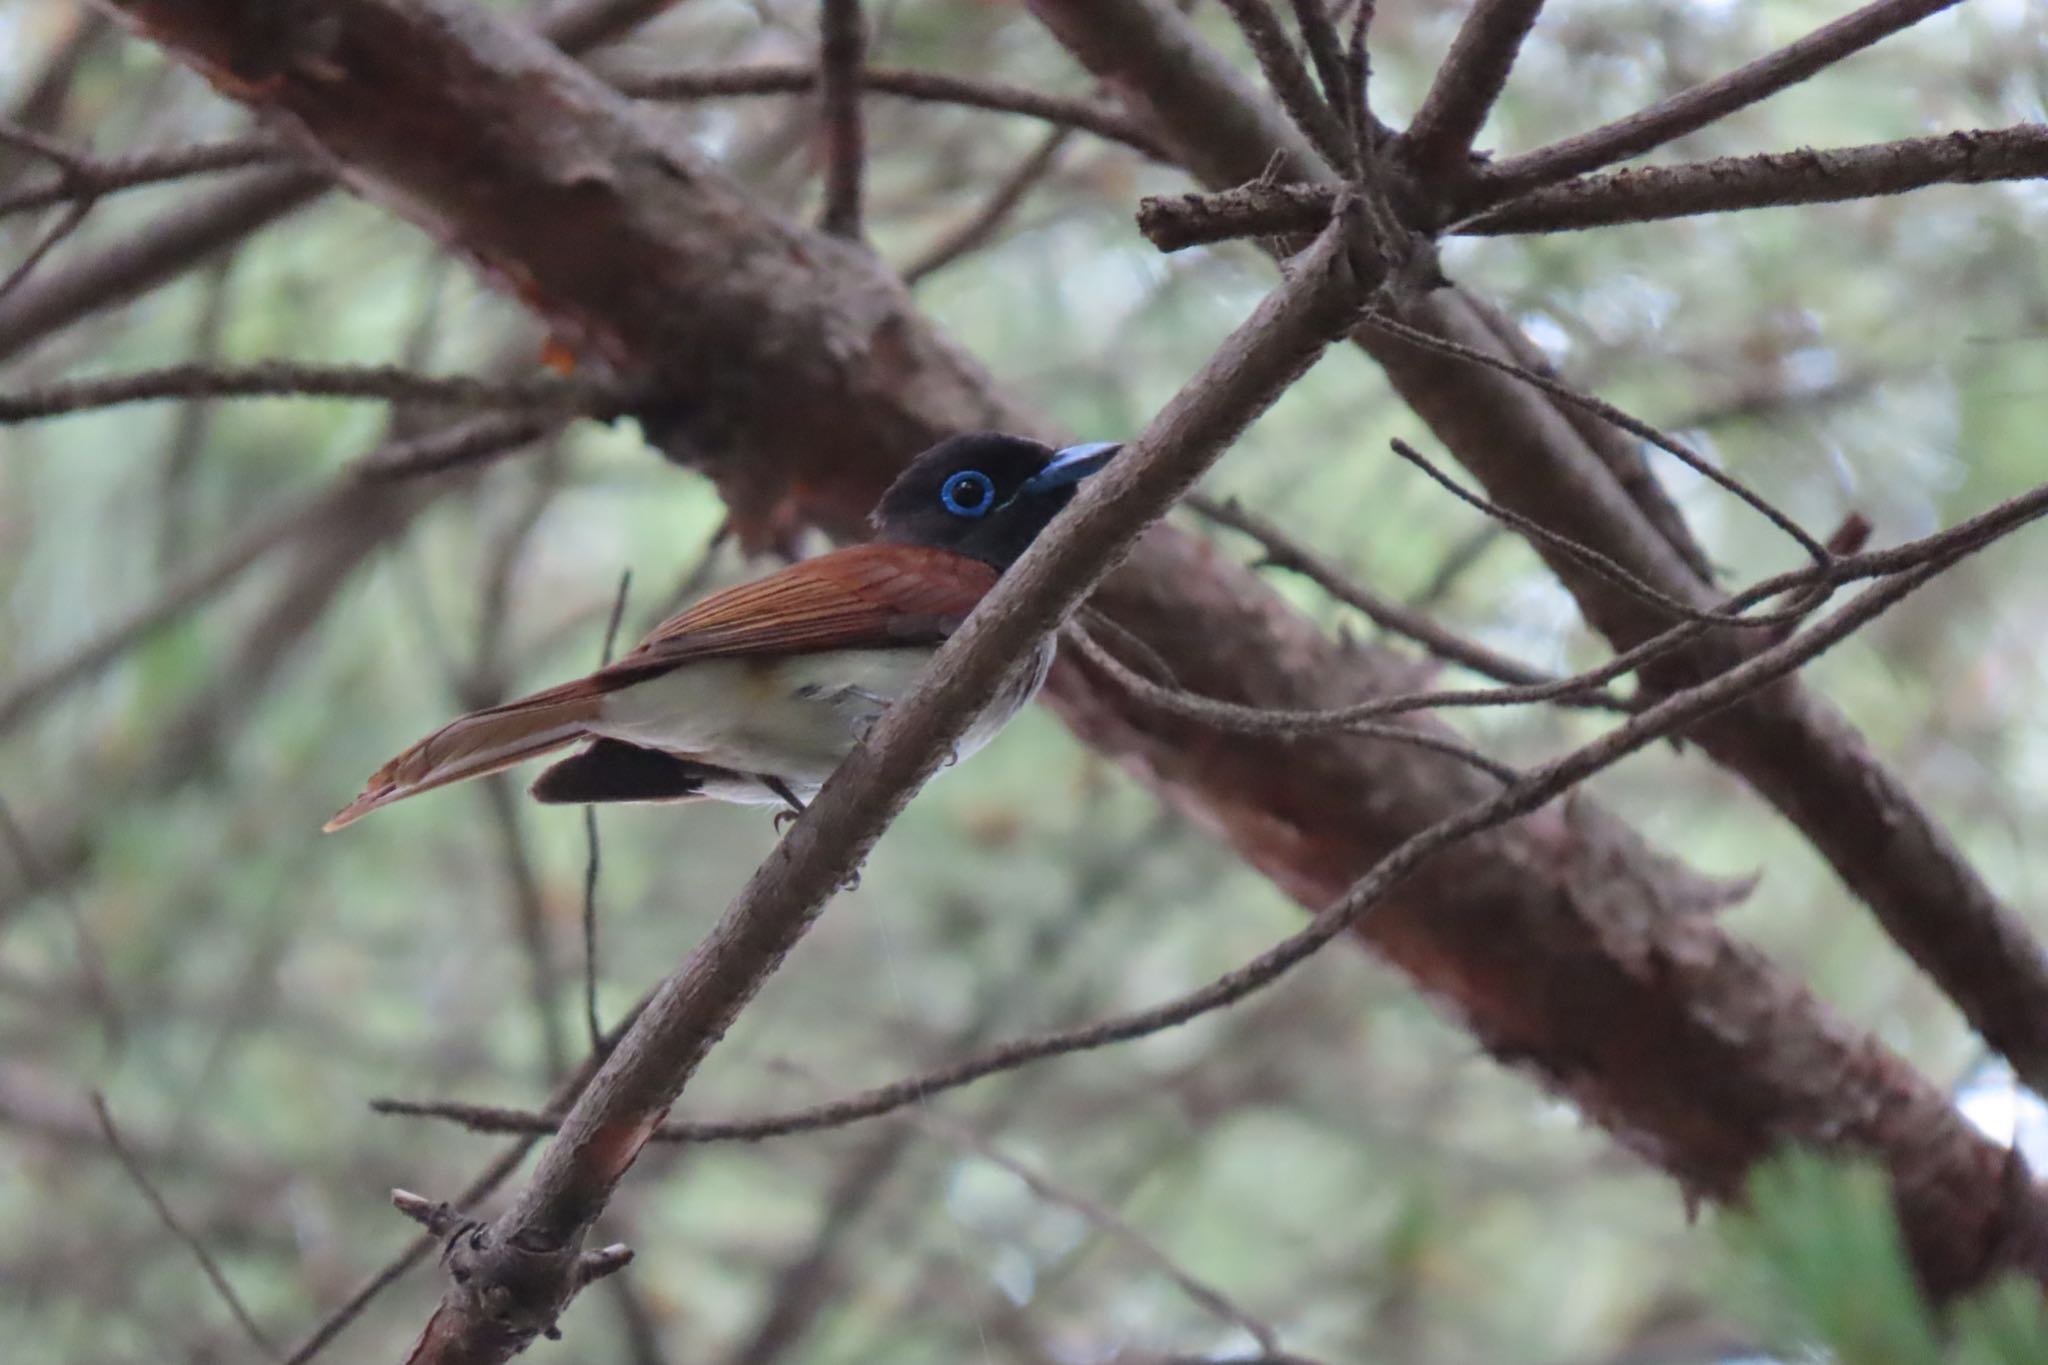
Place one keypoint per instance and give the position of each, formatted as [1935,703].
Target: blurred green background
[1331,1155]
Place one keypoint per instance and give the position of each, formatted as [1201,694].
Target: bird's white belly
[791,718]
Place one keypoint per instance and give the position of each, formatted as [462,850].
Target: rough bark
[795,366]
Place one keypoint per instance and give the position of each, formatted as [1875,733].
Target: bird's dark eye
[968,493]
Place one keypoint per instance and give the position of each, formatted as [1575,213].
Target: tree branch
[1438,140]
[1573,480]
[513,1279]
[842,51]
[1638,195]
[931,87]
[1775,179]
[1693,109]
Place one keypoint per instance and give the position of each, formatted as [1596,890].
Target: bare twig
[1438,141]
[474,441]
[592,864]
[842,51]
[1639,195]
[1599,563]
[92,965]
[1776,179]
[1106,1220]
[1703,104]
[1612,415]
[1290,81]
[1262,720]
[984,223]
[1284,552]
[177,1229]
[384,383]
[91,178]
[932,87]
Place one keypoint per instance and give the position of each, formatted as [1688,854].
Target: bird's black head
[987,495]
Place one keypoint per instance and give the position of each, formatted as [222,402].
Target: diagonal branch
[513,1279]
[1438,140]
[1693,109]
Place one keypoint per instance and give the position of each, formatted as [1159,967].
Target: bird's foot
[791,807]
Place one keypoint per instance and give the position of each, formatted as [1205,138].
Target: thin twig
[931,87]
[1613,416]
[92,178]
[984,223]
[592,858]
[284,379]
[1282,551]
[1599,563]
[1290,81]
[1829,175]
[1693,109]
[176,1228]
[1105,1220]
[1261,720]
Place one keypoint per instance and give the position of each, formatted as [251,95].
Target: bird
[755,693]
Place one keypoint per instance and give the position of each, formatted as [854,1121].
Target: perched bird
[755,693]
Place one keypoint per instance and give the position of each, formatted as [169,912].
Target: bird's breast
[793,717]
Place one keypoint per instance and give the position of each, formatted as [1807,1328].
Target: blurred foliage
[1818,1260]
[1332,1155]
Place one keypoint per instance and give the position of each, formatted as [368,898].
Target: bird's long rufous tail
[478,743]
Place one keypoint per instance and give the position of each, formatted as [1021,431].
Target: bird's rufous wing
[862,597]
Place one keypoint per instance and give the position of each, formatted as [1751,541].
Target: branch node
[438,1217]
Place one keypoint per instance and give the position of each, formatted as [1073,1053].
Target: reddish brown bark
[795,367]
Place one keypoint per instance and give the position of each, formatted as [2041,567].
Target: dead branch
[1693,109]
[1643,195]
[1776,179]
[1282,551]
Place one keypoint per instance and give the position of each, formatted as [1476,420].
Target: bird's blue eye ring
[969,493]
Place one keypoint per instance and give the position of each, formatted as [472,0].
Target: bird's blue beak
[1072,465]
